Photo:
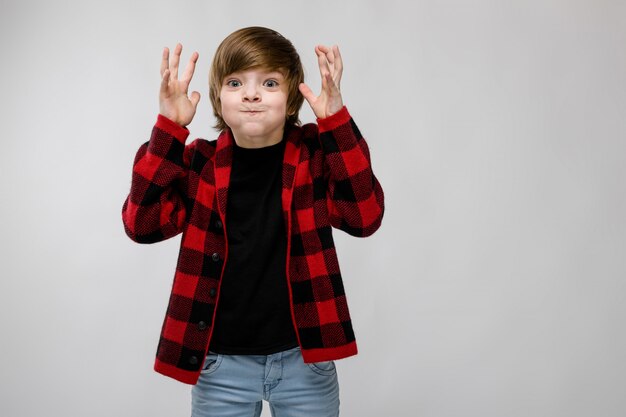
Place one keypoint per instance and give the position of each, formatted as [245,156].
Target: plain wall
[495,286]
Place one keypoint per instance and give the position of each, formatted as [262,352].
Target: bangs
[245,57]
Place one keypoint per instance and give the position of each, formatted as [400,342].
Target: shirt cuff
[334,121]
[179,132]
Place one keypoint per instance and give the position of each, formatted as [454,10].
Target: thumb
[195,98]
[307,93]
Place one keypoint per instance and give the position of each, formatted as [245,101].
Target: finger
[338,59]
[330,56]
[307,93]
[328,52]
[322,51]
[165,60]
[191,67]
[165,82]
[331,86]
[195,98]
[323,48]
[322,62]
[338,65]
[325,86]
[175,61]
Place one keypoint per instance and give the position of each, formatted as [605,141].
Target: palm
[174,101]
[329,100]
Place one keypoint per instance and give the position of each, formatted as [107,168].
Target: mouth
[252,111]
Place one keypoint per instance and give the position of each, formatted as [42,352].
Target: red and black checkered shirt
[327,182]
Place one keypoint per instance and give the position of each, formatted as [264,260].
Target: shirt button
[215,256]
[212,292]
[202,325]
[218,224]
[193,360]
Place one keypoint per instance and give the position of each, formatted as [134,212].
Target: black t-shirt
[253,314]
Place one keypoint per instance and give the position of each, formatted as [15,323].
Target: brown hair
[257,47]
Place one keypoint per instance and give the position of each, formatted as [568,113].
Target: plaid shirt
[327,181]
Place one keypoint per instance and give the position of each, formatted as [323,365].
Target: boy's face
[254,106]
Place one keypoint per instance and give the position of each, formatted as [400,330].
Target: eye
[233,83]
[271,83]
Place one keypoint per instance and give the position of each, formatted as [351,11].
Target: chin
[252,131]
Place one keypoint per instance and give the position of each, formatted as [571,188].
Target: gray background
[495,286]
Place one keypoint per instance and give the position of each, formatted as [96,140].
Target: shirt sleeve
[154,209]
[355,197]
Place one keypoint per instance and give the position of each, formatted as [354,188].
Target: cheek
[281,102]
[225,103]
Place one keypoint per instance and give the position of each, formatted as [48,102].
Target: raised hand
[329,101]
[174,103]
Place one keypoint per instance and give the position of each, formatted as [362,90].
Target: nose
[251,93]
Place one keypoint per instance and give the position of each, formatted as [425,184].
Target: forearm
[154,209]
[356,199]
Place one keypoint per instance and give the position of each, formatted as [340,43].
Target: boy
[257,309]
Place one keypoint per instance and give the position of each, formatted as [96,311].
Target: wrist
[334,120]
[173,118]
[172,127]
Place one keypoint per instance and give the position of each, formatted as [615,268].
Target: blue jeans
[236,385]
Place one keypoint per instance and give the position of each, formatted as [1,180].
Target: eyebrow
[275,72]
